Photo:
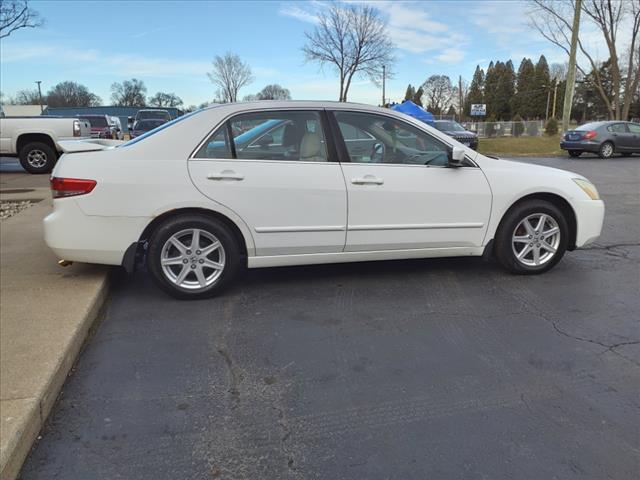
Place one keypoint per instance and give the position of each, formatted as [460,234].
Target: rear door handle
[225,175]
[367,180]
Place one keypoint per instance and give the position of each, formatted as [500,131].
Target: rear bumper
[74,236]
[589,217]
[583,146]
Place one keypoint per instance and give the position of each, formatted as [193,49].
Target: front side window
[634,128]
[391,141]
[288,135]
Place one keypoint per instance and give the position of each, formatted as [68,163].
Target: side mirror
[456,157]
[129,123]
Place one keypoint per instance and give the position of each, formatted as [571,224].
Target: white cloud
[451,55]
[294,11]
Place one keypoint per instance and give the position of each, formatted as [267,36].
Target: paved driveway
[441,369]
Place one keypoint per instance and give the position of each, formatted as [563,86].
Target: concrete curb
[40,341]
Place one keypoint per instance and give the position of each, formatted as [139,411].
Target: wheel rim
[536,239]
[192,259]
[37,158]
[607,150]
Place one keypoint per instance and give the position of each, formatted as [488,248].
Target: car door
[634,131]
[403,195]
[622,138]
[293,205]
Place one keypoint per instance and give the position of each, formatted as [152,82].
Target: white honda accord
[290,183]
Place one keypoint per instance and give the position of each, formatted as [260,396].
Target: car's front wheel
[532,237]
[193,256]
[575,153]
[606,150]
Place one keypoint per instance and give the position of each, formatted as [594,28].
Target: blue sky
[170,45]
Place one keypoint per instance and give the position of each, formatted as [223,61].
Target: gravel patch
[9,209]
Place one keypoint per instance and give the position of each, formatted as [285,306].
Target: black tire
[575,153]
[607,149]
[38,157]
[233,258]
[504,251]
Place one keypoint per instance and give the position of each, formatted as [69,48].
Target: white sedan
[291,183]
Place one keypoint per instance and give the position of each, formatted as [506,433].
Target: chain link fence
[531,128]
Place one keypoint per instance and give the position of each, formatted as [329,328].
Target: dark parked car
[143,126]
[603,138]
[101,126]
[458,132]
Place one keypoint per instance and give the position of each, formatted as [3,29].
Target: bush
[551,128]
[518,126]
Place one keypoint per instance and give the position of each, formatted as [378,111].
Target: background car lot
[446,368]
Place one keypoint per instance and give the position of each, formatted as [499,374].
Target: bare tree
[162,99]
[353,40]
[274,92]
[16,14]
[27,97]
[552,18]
[130,93]
[230,74]
[71,94]
[438,92]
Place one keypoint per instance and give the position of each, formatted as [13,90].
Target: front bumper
[589,219]
[74,236]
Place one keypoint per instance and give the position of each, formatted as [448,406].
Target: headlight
[588,188]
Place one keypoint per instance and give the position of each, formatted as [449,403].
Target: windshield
[449,127]
[158,129]
[148,124]
[144,114]
[96,122]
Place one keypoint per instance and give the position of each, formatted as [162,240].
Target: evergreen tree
[410,93]
[417,98]
[476,90]
[490,84]
[525,84]
[542,86]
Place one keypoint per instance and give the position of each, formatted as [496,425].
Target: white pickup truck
[35,140]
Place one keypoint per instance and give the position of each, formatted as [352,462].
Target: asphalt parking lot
[447,368]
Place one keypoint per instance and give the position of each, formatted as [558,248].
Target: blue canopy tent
[410,108]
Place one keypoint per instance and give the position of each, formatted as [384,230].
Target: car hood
[459,134]
[528,168]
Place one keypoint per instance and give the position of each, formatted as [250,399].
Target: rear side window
[634,128]
[288,135]
[617,128]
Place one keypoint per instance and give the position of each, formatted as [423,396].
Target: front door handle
[367,180]
[225,175]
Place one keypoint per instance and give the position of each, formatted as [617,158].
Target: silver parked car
[603,138]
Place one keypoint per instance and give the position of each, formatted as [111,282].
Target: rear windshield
[158,129]
[589,126]
[96,121]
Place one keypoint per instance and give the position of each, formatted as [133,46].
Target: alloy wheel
[37,158]
[536,239]
[192,259]
[607,150]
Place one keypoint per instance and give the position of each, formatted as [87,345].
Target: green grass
[545,146]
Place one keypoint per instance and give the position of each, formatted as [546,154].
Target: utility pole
[40,94]
[555,94]
[571,74]
[383,85]
[546,112]
[460,106]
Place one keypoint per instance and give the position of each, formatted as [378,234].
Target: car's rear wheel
[575,153]
[606,150]
[193,256]
[37,157]
[532,237]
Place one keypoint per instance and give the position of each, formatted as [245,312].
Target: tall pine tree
[410,93]
[476,90]
[525,90]
[542,87]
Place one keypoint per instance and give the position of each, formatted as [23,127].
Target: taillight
[590,135]
[70,187]
[76,128]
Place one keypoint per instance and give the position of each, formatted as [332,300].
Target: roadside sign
[478,109]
